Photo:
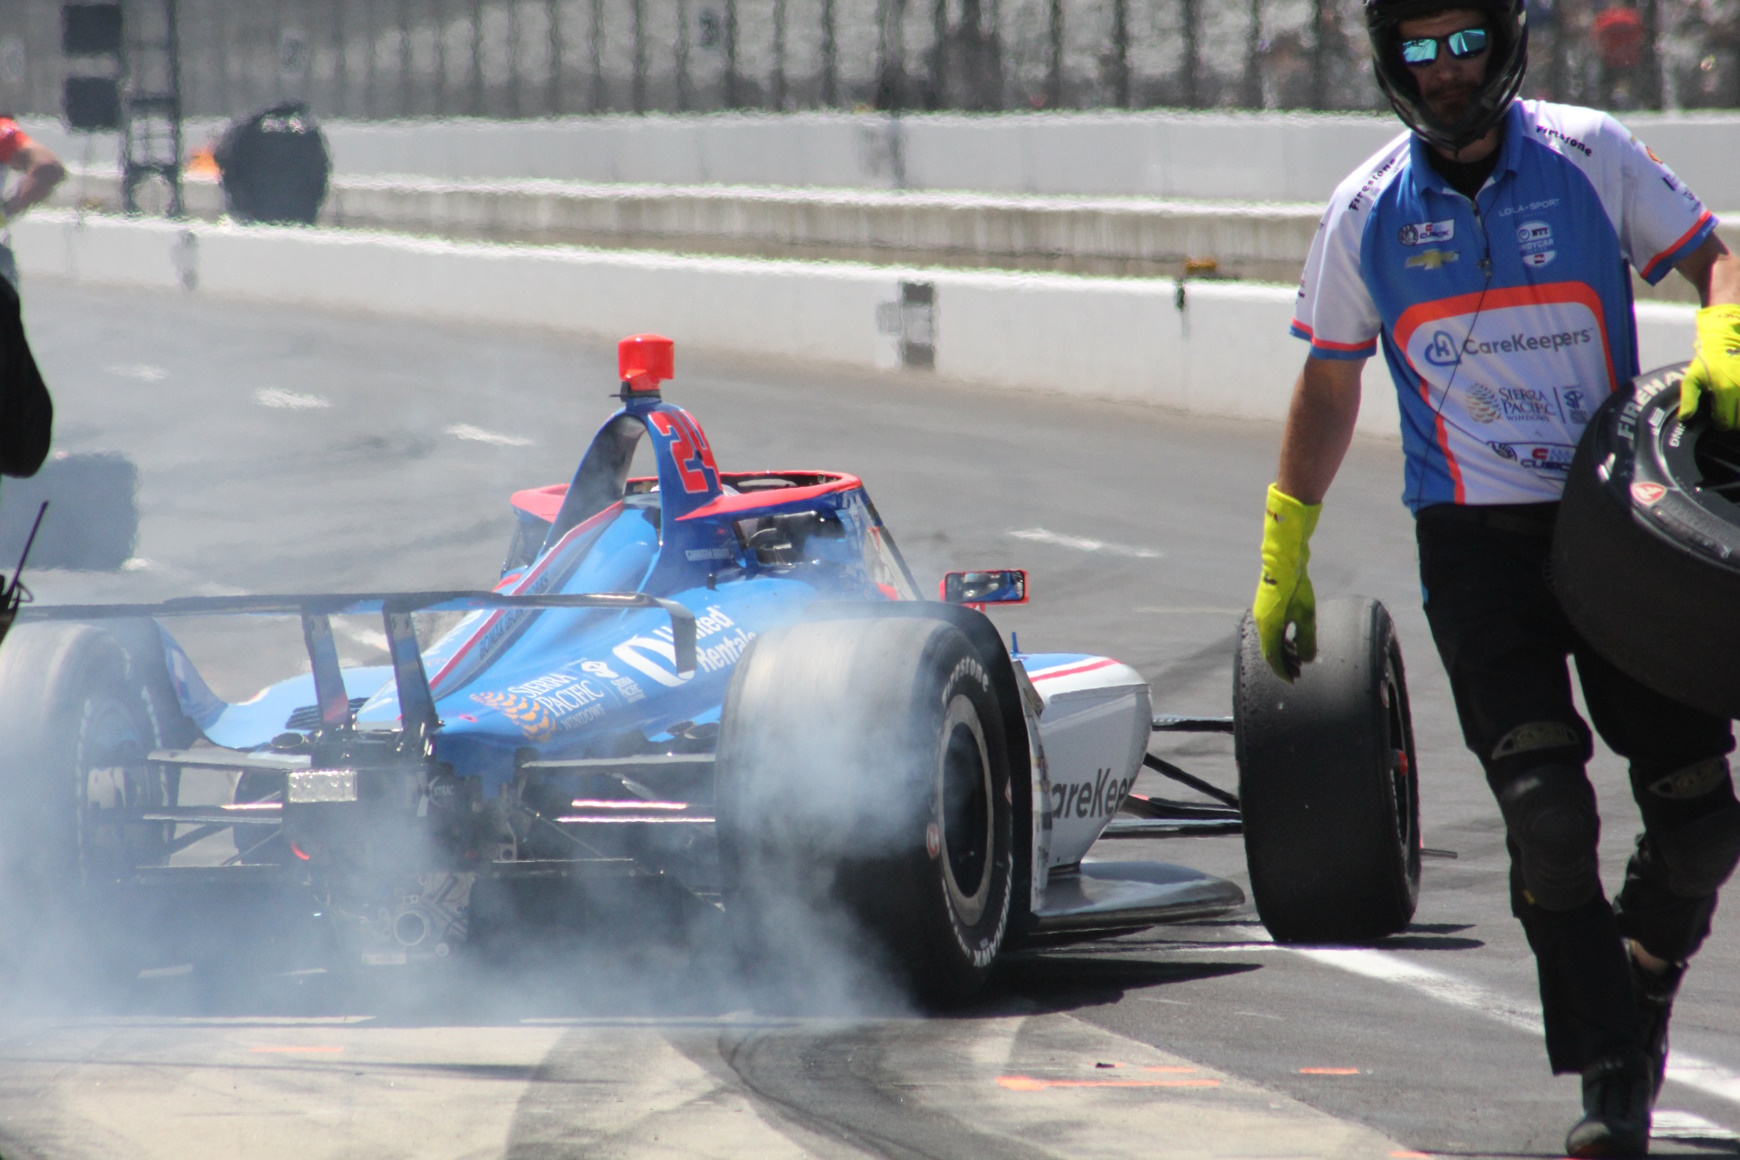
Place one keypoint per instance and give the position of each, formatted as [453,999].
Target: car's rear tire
[1328,783]
[80,717]
[1646,552]
[864,787]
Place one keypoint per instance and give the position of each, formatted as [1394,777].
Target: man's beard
[1452,104]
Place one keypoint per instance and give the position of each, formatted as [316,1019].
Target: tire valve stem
[932,840]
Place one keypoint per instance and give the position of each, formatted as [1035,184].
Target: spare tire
[1328,781]
[1646,554]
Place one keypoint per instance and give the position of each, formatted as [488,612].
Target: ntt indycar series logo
[1443,351]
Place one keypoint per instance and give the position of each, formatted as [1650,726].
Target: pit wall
[1288,157]
[1220,348]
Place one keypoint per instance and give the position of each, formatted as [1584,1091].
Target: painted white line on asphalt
[1688,1127]
[289,400]
[1694,1071]
[479,435]
[1392,969]
[144,372]
[1083,544]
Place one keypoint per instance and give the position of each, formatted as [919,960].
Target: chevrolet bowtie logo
[1431,259]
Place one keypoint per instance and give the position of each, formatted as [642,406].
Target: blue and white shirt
[1505,321]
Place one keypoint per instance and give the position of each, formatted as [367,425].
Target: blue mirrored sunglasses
[1423,50]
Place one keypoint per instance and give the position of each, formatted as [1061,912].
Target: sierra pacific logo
[532,718]
[1483,405]
[1441,352]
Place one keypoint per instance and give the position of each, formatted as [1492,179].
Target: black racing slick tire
[80,719]
[1646,552]
[1328,783]
[864,792]
[80,714]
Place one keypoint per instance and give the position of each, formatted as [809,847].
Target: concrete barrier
[1220,348]
[1125,235]
[1212,155]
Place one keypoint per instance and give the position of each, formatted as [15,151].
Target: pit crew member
[42,171]
[1486,252]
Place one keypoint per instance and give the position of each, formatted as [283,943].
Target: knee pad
[1700,855]
[1692,781]
[1535,745]
[1550,814]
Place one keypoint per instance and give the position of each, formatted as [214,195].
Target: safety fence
[384,59]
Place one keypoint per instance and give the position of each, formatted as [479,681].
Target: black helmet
[1504,71]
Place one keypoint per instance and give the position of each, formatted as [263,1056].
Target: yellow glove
[1716,370]
[1284,594]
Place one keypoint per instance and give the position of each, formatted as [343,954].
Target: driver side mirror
[1007,586]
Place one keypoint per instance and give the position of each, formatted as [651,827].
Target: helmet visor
[1464,45]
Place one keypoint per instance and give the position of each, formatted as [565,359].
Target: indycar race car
[704,690]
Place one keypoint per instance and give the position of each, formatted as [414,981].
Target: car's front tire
[863,779]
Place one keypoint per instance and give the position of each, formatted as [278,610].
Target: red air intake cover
[646,360]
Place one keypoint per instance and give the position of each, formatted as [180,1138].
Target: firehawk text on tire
[864,778]
[1327,782]
[1646,555]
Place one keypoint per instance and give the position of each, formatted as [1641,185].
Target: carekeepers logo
[1519,343]
[1442,351]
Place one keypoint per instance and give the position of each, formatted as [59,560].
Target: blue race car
[703,690]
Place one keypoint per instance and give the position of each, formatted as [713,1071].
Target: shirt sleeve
[1334,311]
[1661,221]
[12,139]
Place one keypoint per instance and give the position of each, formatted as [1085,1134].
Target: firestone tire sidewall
[962,946]
[1645,563]
[865,700]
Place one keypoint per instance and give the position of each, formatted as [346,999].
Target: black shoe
[1616,1103]
[1655,1005]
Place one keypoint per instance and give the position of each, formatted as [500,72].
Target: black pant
[1504,639]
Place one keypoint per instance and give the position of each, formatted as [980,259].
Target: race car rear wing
[416,702]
